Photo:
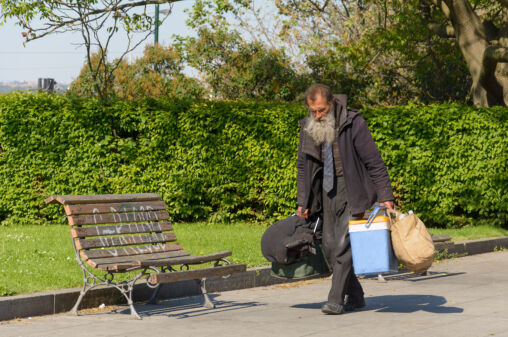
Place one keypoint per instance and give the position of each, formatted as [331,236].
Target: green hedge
[447,162]
[209,160]
[224,161]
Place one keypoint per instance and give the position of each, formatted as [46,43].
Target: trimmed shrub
[219,161]
[225,161]
[447,162]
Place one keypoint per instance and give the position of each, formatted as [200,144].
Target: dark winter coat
[365,173]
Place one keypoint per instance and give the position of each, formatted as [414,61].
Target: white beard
[321,130]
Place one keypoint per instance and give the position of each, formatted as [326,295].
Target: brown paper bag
[412,243]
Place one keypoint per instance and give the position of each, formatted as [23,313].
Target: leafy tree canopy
[158,73]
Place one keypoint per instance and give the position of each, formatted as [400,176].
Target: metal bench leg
[208,303]
[126,290]
[84,290]
[134,313]
[154,298]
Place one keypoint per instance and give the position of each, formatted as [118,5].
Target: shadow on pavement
[410,303]
[399,304]
[186,307]
[408,276]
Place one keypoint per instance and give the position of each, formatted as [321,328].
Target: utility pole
[156,31]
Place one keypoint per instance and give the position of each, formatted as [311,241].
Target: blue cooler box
[371,245]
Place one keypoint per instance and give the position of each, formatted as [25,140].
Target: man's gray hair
[316,90]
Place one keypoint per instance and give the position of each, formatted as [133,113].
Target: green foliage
[158,73]
[447,162]
[5,292]
[395,58]
[235,69]
[94,78]
[225,161]
[216,160]
[233,66]
[377,52]
[445,255]
[500,249]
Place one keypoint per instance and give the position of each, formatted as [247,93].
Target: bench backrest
[113,225]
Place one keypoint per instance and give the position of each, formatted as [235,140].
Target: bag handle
[373,215]
[315,226]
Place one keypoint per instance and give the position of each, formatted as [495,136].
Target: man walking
[341,174]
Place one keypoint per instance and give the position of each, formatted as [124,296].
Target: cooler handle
[373,215]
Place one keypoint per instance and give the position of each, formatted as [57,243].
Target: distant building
[47,84]
[6,87]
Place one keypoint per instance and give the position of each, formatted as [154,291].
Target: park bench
[119,233]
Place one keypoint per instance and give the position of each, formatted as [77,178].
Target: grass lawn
[470,233]
[35,258]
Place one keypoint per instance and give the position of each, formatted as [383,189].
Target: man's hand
[387,204]
[299,213]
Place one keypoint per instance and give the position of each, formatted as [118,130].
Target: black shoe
[332,309]
[353,304]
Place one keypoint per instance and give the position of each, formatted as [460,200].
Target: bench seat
[180,257]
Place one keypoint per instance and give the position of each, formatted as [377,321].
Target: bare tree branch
[85,16]
[345,9]
[320,9]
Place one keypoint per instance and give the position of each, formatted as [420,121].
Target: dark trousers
[336,215]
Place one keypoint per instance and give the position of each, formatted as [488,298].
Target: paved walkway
[460,297]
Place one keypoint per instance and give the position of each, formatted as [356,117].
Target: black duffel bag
[293,246]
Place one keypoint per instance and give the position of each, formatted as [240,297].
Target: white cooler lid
[373,226]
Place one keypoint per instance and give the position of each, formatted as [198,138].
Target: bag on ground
[411,241]
[293,246]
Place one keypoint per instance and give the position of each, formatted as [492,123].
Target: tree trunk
[486,62]
[502,67]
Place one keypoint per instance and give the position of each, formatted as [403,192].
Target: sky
[57,56]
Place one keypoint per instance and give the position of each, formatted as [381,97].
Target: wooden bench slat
[118,267]
[198,259]
[197,274]
[100,198]
[81,232]
[129,251]
[95,219]
[114,207]
[113,241]
[114,263]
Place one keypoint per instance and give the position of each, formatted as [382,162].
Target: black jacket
[365,173]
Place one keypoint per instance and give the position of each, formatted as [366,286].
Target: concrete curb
[57,301]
